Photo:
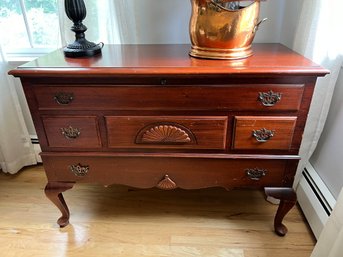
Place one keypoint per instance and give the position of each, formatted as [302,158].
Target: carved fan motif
[166,184]
[165,134]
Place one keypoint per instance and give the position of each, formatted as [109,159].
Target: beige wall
[328,157]
[167,21]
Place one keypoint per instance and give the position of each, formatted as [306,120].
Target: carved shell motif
[165,134]
[166,184]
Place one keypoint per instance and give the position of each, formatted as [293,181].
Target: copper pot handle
[258,24]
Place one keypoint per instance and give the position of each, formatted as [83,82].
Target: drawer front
[72,131]
[262,132]
[176,132]
[166,172]
[267,97]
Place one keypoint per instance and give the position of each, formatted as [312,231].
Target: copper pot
[220,33]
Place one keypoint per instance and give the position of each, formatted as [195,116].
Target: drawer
[166,172]
[177,132]
[72,131]
[259,97]
[263,132]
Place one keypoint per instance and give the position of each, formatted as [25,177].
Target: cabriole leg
[53,191]
[288,199]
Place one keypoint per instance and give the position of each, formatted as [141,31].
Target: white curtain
[16,150]
[108,21]
[132,22]
[319,37]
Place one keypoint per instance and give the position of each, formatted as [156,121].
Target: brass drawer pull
[263,135]
[63,98]
[270,98]
[70,132]
[256,173]
[79,170]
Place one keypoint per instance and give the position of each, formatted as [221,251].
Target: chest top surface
[273,59]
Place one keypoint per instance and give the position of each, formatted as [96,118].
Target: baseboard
[315,199]
[36,147]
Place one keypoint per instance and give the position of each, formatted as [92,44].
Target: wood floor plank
[121,221]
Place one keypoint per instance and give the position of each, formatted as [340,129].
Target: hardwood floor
[120,221]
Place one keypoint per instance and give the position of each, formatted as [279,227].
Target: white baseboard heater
[36,147]
[315,199]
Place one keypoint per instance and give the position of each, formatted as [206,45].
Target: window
[29,24]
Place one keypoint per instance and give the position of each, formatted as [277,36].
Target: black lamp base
[75,51]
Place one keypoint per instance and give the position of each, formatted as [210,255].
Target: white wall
[291,15]
[163,21]
[328,157]
[271,30]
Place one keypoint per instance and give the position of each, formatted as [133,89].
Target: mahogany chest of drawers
[151,116]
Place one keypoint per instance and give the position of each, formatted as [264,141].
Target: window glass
[43,22]
[41,29]
[13,32]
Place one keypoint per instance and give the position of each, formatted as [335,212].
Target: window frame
[24,54]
